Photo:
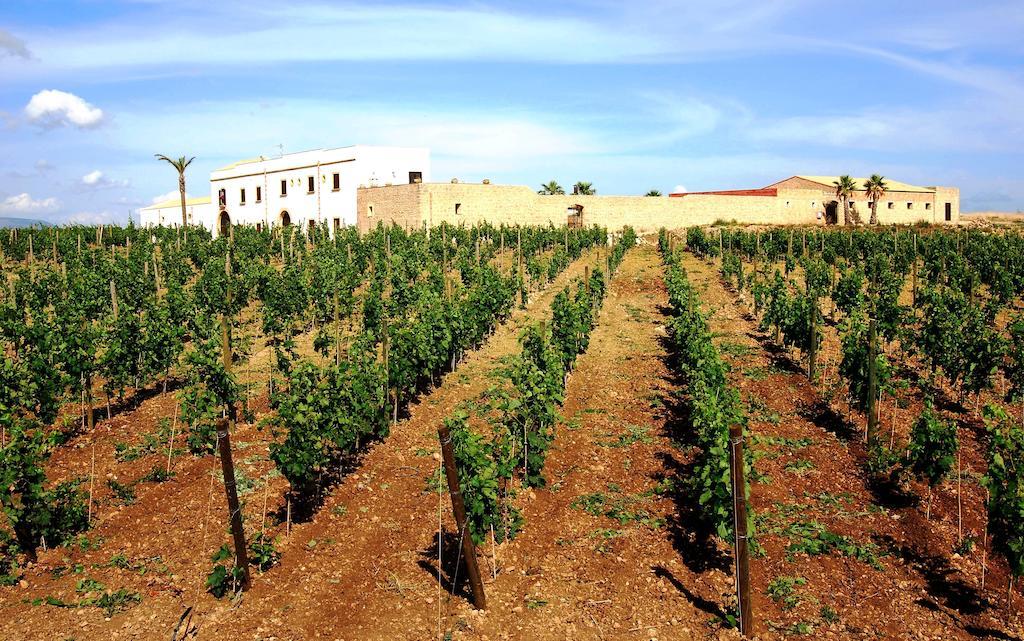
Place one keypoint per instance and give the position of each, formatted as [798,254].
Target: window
[853,203]
[337,182]
[259,226]
[241,197]
[787,203]
[259,194]
[337,221]
[927,205]
[415,177]
[369,210]
[312,184]
[222,197]
[910,205]
[891,205]
[458,206]
[284,187]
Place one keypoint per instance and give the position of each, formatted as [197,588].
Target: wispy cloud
[96,179]
[11,45]
[25,204]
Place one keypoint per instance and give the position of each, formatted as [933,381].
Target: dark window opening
[337,182]
[337,221]
[241,197]
[458,206]
[949,211]
[284,187]
[259,194]
[415,177]
[312,184]
[222,197]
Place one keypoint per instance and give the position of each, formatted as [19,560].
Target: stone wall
[433,203]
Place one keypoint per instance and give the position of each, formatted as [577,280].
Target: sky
[631,96]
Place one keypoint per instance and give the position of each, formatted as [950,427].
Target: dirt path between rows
[573,572]
[885,572]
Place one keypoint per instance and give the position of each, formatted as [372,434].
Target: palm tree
[654,193]
[845,187]
[551,189]
[584,189]
[875,187]
[181,164]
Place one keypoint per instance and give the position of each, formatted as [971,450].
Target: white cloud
[54,108]
[25,204]
[97,180]
[11,45]
[42,166]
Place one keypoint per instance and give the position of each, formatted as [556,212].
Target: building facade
[901,204]
[168,213]
[305,188]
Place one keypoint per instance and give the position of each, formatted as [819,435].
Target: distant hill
[21,222]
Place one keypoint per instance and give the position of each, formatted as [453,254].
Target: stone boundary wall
[463,203]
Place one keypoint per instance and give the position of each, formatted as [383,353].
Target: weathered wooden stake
[468,548]
[741,548]
[519,253]
[231,490]
[812,352]
[170,441]
[872,404]
[113,299]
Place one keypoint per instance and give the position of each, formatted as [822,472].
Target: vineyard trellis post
[519,254]
[812,350]
[741,536]
[231,491]
[459,508]
[872,400]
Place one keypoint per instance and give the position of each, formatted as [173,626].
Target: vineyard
[248,434]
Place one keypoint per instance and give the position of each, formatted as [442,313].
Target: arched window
[225,224]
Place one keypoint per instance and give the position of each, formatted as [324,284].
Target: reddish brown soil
[365,566]
[925,590]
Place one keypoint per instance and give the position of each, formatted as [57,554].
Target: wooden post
[739,509]
[586,278]
[519,252]
[812,352]
[468,548]
[113,298]
[872,404]
[231,490]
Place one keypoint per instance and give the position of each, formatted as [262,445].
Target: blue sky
[630,96]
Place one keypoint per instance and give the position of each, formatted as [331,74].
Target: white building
[168,212]
[304,188]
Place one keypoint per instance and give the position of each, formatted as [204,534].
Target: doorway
[832,213]
[225,224]
[285,219]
